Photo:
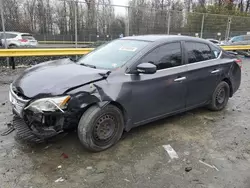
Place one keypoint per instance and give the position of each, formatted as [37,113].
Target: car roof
[165,38]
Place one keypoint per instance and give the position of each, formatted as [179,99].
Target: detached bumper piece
[24,133]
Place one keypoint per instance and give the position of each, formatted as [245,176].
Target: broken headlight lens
[49,104]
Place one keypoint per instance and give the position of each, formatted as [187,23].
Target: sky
[120,2]
[120,10]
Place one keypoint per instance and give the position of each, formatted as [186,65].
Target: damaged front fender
[101,93]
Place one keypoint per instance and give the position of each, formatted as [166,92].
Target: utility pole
[3,27]
[76,37]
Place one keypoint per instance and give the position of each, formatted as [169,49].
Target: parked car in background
[17,39]
[239,40]
[125,83]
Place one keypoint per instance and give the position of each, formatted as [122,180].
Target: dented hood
[55,77]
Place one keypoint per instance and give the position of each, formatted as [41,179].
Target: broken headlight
[49,104]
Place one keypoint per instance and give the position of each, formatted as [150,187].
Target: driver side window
[165,56]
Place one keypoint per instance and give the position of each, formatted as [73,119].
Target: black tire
[220,97]
[12,46]
[100,128]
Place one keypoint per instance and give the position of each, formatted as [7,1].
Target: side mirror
[146,68]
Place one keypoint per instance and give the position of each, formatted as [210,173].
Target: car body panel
[201,82]
[44,79]
[158,94]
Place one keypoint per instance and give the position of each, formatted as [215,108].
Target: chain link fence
[89,23]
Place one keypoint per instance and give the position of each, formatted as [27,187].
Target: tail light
[23,40]
[239,62]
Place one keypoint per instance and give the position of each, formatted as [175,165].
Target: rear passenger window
[27,37]
[198,52]
[165,56]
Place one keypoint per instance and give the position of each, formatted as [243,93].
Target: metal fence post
[228,28]
[3,27]
[202,25]
[76,37]
[127,22]
[169,21]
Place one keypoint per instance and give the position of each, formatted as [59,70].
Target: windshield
[237,39]
[113,54]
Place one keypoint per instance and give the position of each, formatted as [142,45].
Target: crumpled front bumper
[23,132]
[31,126]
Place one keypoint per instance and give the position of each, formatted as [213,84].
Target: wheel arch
[228,81]
[123,110]
[12,45]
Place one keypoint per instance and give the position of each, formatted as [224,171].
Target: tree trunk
[247,6]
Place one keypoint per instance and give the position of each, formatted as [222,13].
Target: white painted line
[127,180]
[211,166]
[59,180]
[171,152]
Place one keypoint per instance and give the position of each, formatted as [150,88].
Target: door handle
[215,71]
[180,79]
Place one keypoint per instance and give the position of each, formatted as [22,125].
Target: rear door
[203,73]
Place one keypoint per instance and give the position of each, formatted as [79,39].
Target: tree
[90,21]
[216,20]
[29,7]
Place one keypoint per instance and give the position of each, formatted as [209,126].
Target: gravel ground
[221,139]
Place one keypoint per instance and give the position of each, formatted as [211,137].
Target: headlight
[49,104]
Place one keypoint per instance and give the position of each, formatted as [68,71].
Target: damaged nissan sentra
[120,85]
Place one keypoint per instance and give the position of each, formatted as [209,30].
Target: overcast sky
[120,2]
[120,10]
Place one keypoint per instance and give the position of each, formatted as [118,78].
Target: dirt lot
[221,139]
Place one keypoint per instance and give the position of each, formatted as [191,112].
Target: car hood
[55,78]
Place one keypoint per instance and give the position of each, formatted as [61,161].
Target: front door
[162,93]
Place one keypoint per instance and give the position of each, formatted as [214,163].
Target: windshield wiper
[87,65]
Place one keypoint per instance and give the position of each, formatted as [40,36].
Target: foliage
[216,20]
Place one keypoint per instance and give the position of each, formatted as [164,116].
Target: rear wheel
[220,97]
[100,128]
[12,46]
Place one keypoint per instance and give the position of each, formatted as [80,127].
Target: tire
[100,128]
[220,97]
[12,46]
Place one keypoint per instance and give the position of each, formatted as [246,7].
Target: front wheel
[100,128]
[220,97]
